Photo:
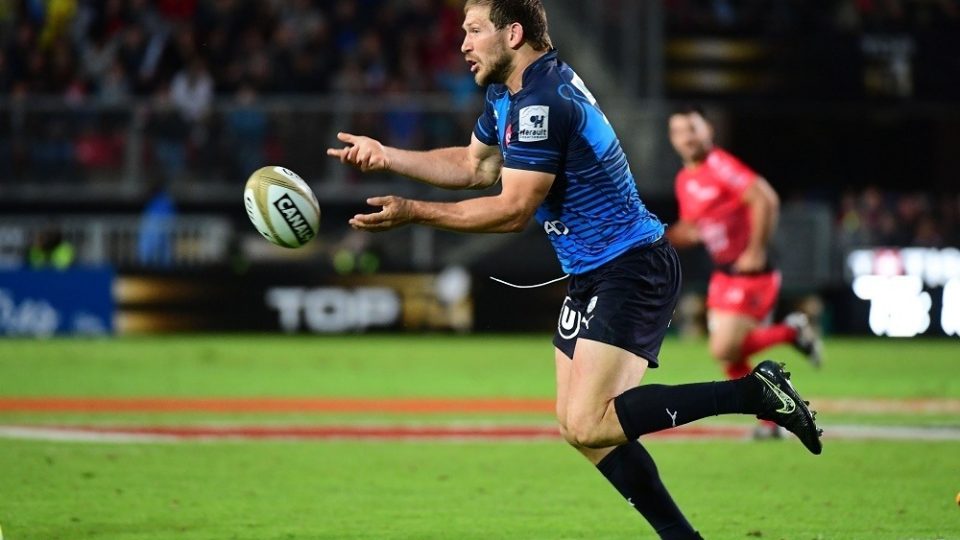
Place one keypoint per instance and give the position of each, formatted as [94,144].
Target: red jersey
[711,196]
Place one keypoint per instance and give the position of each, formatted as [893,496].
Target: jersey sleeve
[486,127]
[733,173]
[538,134]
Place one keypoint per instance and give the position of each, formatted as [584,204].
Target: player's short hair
[530,14]
[687,109]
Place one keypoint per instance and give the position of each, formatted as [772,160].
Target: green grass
[439,366]
[876,490]
[467,491]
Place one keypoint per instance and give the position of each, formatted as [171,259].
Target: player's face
[691,136]
[485,48]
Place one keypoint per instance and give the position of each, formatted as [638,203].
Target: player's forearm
[763,221]
[448,168]
[479,215]
[683,234]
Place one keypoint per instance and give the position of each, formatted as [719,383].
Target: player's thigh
[727,330]
[564,368]
[599,372]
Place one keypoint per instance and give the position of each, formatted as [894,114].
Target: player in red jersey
[733,211]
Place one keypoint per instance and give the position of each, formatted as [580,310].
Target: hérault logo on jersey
[534,123]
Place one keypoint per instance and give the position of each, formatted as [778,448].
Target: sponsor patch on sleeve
[534,123]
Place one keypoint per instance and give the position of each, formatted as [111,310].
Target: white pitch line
[105,435]
[891,433]
[37,433]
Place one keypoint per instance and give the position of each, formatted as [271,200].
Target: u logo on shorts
[568,326]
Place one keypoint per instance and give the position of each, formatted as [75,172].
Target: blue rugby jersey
[553,124]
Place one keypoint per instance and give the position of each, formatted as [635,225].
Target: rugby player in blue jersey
[556,157]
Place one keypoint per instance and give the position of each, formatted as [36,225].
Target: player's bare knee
[584,433]
[724,350]
[562,422]
[568,436]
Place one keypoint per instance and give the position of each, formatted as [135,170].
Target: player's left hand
[395,212]
[751,261]
[362,152]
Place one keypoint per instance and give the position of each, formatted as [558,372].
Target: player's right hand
[362,152]
[683,234]
[394,212]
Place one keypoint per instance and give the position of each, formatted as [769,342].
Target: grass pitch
[729,489]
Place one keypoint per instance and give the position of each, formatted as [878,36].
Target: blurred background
[128,129]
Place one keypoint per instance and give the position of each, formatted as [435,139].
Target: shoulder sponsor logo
[534,123]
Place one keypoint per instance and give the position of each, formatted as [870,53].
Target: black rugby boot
[781,403]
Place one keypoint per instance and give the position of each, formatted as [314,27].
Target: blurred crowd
[874,217]
[194,49]
[178,58]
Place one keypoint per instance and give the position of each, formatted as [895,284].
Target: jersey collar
[545,62]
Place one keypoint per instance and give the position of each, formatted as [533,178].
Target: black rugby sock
[653,407]
[632,471]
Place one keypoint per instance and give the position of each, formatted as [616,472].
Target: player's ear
[515,36]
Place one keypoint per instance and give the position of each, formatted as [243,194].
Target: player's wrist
[414,212]
[387,158]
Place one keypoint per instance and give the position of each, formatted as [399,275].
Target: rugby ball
[282,206]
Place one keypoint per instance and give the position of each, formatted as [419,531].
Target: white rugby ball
[282,206]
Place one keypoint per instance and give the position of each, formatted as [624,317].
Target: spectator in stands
[880,218]
[168,131]
[114,86]
[50,250]
[245,133]
[191,91]
[97,55]
[155,245]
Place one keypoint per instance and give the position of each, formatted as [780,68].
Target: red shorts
[753,295]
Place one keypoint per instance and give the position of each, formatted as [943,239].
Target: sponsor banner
[43,303]
[905,292]
[293,300]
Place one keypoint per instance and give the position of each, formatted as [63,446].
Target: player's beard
[499,70]
[697,154]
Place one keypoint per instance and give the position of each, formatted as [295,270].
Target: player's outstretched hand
[363,153]
[750,261]
[395,211]
[683,234]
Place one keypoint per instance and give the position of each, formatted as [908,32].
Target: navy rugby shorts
[627,302]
